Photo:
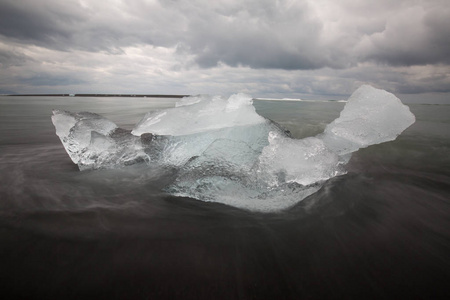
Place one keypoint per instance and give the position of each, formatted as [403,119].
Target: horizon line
[101,95]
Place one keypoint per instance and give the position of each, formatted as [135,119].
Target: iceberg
[168,137]
[223,151]
[94,142]
[370,116]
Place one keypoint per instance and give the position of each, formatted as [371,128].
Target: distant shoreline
[101,95]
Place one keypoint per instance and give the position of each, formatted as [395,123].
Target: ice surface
[178,150]
[288,170]
[225,152]
[304,161]
[94,142]
[371,116]
[200,114]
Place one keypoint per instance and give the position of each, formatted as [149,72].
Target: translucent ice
[371,116]
[313,161]
[200,114]
[94,142]
[225,152]
[288,170]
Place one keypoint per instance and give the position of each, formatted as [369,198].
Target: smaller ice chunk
[197,114]
[371,116]
[94,142]
[74,130]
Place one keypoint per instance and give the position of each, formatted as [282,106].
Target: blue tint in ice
[94,142]
[200,114]
[225,152]
[371,116]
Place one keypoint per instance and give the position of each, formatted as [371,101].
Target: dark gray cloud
[419,37]
[320,46]
[40,22]
[299,35]
[62,25]
[9,58]
[46,79]
[260,34]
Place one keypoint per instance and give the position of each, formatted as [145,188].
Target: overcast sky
[312,49]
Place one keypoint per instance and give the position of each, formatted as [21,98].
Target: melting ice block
[168,137]
[287,170]
[225,152]
[371,116]
[94,142]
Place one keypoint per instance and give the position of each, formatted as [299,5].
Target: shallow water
[380,231]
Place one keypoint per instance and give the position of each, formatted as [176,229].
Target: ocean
[380,231]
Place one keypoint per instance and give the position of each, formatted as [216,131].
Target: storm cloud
[175,39]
